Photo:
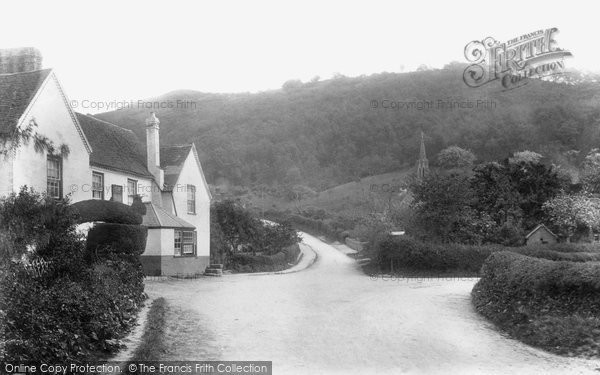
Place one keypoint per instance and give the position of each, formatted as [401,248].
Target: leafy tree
[515,192]
[590,174]
[237,226]
[567,212]
[34,224]
[455,157]
[443,210]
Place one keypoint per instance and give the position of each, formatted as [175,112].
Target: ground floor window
[185,243]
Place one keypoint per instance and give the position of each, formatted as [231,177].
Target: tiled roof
[16,92]
[113,147]
[157,217]
[171,161]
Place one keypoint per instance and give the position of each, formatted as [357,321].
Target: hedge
[554,305]
[106,211]
[404,253]
[117,238]
[245,262]
[49,319]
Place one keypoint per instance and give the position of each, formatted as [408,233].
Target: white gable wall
[55,122]
[191,174]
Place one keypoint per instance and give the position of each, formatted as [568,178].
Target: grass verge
[152,343]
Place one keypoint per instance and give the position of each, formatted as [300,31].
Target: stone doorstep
[216,265]
[212,271]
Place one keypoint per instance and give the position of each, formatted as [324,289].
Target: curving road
[332,319]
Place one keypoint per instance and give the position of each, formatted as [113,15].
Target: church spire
[422,163]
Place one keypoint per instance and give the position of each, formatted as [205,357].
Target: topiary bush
[117,238]
[106,211]
[554,305]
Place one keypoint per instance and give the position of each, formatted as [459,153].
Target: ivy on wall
[9,143]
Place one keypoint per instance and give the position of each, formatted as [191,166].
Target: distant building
[422,163]
[541,235]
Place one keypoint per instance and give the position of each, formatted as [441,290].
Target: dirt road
[332,319]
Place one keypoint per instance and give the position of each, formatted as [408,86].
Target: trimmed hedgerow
[406,254]
[245,262]
[106,211]
[549,304]
[118,238]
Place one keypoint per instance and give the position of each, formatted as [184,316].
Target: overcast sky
[126,50]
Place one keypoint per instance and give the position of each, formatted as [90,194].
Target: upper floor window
[191,199]
[97,185]
[54,176]
[131,190]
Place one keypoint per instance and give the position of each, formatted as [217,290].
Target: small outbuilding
[541,235]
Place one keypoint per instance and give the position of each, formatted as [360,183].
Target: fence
[37,267]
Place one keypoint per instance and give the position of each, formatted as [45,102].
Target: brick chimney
[153,149]
[19,60]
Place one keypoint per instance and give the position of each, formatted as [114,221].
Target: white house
[105,162]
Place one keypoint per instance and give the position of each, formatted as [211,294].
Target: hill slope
[326,133]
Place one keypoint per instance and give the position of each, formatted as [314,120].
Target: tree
[496,193]
[562,212]
[590,173]
[568,212]
[443,210]
[234,226]
[455,157]
[525,156]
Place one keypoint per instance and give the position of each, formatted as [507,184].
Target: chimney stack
[153,149]
[20,60]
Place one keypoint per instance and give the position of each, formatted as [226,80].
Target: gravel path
[332,319]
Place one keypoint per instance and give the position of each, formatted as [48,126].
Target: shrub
[106,211]
[58,318]
[550,304]
[406,253]
[35,221]
[243,262]
[74,310]
[119,238]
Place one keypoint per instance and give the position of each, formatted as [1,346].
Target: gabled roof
[114,148]
[171,161]
[541,226]
[17,90]
[157,217]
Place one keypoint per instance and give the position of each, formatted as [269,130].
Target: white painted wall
[191,174]
[55,122]
[153,242]
[118,178]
